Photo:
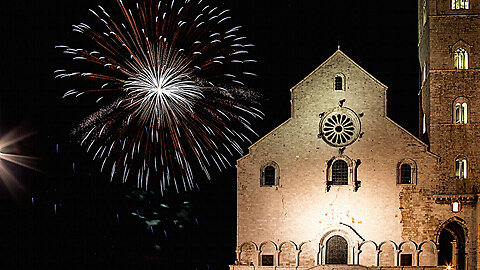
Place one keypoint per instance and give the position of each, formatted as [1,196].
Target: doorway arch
[337,250]
[451,244]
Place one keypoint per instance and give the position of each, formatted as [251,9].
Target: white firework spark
[173,73]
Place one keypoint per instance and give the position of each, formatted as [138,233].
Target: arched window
[407,172]
[461,59]
[339,172]
[269,174]
[339,83]
[460,4]
[461,111]
[461,168]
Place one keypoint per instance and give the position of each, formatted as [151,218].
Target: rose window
[340,127]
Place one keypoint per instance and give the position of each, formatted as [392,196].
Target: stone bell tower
[449,55]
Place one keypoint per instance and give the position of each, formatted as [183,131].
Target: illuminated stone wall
[301,210]
[445,30]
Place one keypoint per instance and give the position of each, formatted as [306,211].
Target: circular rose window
[340,127]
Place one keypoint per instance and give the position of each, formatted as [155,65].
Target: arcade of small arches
[367,253]
[339,246]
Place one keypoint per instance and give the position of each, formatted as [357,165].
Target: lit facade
[341,183]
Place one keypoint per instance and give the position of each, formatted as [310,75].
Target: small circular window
[340,127]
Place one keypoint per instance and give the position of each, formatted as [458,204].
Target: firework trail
[169,75]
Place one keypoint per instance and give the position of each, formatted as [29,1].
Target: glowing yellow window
[461,59]
[461,113]
[461,168]
[460,4]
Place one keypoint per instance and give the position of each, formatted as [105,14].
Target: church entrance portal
[452,246]
[337,250]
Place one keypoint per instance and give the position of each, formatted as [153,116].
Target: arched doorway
[337,250]
[451,243]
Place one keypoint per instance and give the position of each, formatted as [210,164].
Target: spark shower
[167,79]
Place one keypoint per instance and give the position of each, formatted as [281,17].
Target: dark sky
[291,39]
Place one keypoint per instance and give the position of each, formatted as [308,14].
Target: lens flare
[8,143]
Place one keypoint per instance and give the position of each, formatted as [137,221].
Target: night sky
[73,220]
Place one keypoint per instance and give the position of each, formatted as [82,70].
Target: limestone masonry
[339,183]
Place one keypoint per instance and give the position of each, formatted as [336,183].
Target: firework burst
[170,81]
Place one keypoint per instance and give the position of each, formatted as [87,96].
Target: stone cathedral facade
[339,183]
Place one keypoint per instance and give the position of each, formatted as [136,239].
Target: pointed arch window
[461,168]
[460,4]
[461,59]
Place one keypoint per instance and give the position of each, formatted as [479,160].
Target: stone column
[258,258]
[237,255]
[377,257]
[320,255]
[297,257]
[276,258]
[416,258]
[357,252]
[396,259]
[454,254]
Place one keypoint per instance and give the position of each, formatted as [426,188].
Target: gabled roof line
[262,138]
[328,59]
[415,137]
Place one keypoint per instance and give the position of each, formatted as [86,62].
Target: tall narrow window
[340,172]
[338,83]
[461,168]
[424,124]
[460,4]
[424,12]
[461,59]
[405,174]
[461,113]
[424,73]
[269,176]
[407,171]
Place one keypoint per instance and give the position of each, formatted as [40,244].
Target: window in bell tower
[461,112]
[460,168]
[461,59]
[424,124]
[424,72]
[460,4]
[424,12]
